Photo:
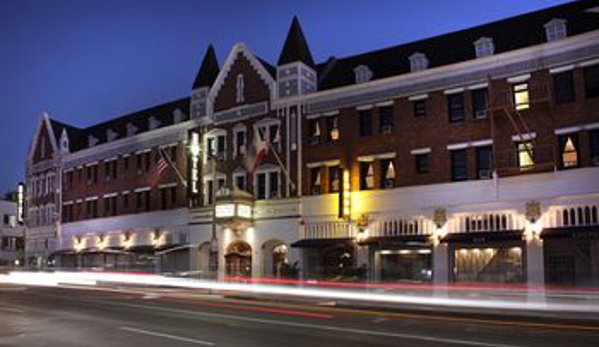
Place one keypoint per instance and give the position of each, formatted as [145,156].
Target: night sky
[86,61]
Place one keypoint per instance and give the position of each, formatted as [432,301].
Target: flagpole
[172,165]
[274,152]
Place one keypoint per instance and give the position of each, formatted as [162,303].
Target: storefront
[401,259]
[330,259]
[487,257]
[571,255]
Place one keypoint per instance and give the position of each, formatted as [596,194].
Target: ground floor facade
[534,229]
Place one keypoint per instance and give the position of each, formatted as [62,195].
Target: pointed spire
[295,47]
[208,71]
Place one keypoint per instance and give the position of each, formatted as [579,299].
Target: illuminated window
[387,173]
[333,128]
[334,179]
[521,96]
[568,150]
[525,155]
[315,181]
[366,175]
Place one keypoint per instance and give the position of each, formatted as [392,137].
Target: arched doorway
[239,259]
[280,260]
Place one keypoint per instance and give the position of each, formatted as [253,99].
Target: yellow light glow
[346,194]
[78,244]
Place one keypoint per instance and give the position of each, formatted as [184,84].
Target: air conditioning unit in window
[386,129]
[480,114]
[485,174]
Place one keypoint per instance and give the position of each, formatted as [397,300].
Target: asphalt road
[37,316]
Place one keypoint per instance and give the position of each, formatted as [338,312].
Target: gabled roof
[295,47]
[208,71]
[507,34]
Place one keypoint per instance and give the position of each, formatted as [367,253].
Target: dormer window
[178,116]
[418,62]
[64,141]
[131,129]
[153,123]
[484,47]
[91,141]
[363,74]
[555,29]
[111,135]
[240,89]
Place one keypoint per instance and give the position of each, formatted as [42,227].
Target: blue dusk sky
[86,61]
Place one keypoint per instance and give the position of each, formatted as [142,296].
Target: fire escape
[510,114]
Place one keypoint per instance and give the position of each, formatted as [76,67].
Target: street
[80,316]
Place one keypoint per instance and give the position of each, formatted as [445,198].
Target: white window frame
[418,62]
[362,74]
[266,123]
[484,47]
[239,128]
[555,29]
[267,170]
[213,135]
[240,89]
[238,174]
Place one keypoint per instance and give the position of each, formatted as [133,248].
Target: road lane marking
[168,336]
[321,327]
[10,309]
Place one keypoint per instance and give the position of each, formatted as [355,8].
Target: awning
[578,232]
[398,241]
[317,243]
[482,237]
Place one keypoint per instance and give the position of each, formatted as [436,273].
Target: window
[484,47]
[366,175]
[273,134]
[521,96]
[564,87]
[387,173]
[240,145]
[126,163]
[594,142]
[362,74]
[334,179]
[365,123]
[240,89]
[220,146]
[568,150]
[173,192]
[591,81]
[92,174]
[210,148]
[172,152]
[483,162]
[147,160]
[261,191]
[315,181]
[555,29]
[479,103]
[455,103]
[240,181]
[273,184]
[208,192]
[458,165]
[386,119]
[419,108]
[418,62]
[422,163]
[163,198]
[333,128]
[126,202]
[525,155]
[314,131]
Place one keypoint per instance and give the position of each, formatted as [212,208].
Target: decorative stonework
[533,211]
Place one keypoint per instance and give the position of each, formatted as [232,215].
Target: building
[11,235]
[467,157]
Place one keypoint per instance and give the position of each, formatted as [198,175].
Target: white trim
[561,69]
[589,63]
[67,203]
[363,107]
[313,116]
[387,155]
[92,163]
[591,126]
[384,103]
[110,195]
[481,143]
[124,192]
[68,170]
[141,151]
[457,146]
[366,158]
[567,130]
[331,113]
[79,201]
[525,137]
[168,185]
[126,155]
[420,151]
[314,164]
[172,144]
[142,189]
[518,79]
[91,198]
[478,86]
[418,97]
[111,159]
[453,91]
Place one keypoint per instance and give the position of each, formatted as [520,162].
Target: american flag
[160,168]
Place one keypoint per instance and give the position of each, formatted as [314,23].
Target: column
[440,263]
[535,263]
[362,258]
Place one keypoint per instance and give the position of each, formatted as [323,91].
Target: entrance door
[239,260]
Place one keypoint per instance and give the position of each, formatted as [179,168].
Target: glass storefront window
[488,265]
[406,265]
